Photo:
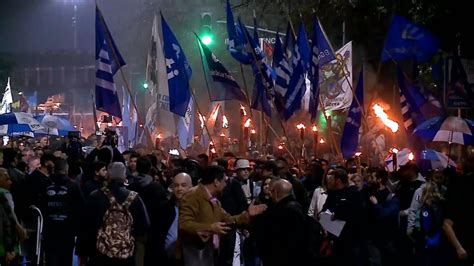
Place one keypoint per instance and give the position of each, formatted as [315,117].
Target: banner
[458,82]
[335,88]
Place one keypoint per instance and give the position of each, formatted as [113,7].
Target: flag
[283,70]
[108,62]
[33,100]
[408,40]
[321,51]
[126,116]
[236,42]
[334,87]
[185,127]
[178,69]
[350,135]
[297,85]
[225,87]
[159,118]
[261,100]
[133,131]
[7,99]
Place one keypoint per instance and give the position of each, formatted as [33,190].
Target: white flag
[7,99]
[158,119]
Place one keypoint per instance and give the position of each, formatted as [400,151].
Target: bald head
[281,189]
[181,184]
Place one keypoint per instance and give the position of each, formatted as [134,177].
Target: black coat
[285,234]
[158,232]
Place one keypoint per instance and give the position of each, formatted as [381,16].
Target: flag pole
[199,111]
[94,113]
[203,67]
[127,85]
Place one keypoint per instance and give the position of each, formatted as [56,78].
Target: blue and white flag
[350,135]
[236,43]
[178,69]
[325,50]
[408,40]
[225,87]
[283,72]
[185,127]
[108,62]
[297,85]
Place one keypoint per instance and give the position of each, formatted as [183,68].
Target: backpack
[431,223]
[115,239]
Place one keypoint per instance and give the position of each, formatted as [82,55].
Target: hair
[9,156]
[126,152]
[134,154]
[341,174]
[143,165]
[46,158]
[117,171]
[229,154]
[61,166]
[203,156]
[430,193]
[382,174]
[271,166]
[213,172]
[222,162]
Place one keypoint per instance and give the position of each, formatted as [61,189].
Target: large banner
[335,88]
[458,82]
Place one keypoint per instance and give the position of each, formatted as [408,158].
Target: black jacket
[158,232]
[285,234]
[93,213]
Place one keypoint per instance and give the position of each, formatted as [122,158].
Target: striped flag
[7,99]
[108,62]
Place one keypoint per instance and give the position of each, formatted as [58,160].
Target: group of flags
[281,86]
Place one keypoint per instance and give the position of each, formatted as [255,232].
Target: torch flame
[159,136]
[394,150]
[379,112]
[322,141]
[300,126]
[358,154]
[315,128]
[202,119]
[225,122]
[214,114]
[247,123]
[411,156]
[213,150]
[280,147]
[243,110]
[252,131]
[222,135]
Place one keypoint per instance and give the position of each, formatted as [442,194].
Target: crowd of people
[152,208]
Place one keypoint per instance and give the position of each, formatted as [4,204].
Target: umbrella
[20,118]
[435,159]
[57,122]
[16,130]
[450,129]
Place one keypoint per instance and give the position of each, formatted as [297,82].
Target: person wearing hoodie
[154,197]
[61,204]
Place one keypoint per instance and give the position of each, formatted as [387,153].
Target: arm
[452,238]
[414,207]
[187,217]
[312,205]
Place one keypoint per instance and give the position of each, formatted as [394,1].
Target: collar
[208,194]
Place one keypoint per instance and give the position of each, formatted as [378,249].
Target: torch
[357,155]
[395,159]
[158,141]
[301,128]
[253,137]
[315,140]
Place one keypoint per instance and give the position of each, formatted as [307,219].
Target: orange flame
[159,136]
[280,147]
[411,156]
[300,126]
[213,150]
[247,123]
[243,110]
[379,112]
[394,150]
[202,119]
[225,122]
[315,129]
[358,154]
[322,141]
[252,131]
[214,113]
[222,135]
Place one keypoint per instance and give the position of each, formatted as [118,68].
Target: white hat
[242,164]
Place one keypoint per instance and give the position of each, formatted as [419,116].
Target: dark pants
[59,252]
[193,256]
[101,260]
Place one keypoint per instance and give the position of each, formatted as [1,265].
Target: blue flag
[297,85]
[236,42]
[407,40]
[325,51]
[350,135]
[185,127]
[261,100]
[226,87]
[282,71]
[178,69]
[108,62]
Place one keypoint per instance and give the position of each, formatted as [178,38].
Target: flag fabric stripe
[236,43]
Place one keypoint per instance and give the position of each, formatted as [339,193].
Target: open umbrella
[435,159]
[449,129]
[14,130]
[20,118]
[57,122]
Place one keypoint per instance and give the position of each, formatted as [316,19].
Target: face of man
[43,141]
[102,173]
[266,187]
[181,185]
[49,166]
[266,172]
[243,174]
[331,181]
[5,180]
[359,183]
[219,186]
[132,164]
[282,167]
[27,155]
[34,165]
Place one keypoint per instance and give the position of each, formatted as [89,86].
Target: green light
[206,40]
[145,85]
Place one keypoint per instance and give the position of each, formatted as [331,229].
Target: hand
[373,199]
[246,233]
[403,213]
[204,235]
[220,228]
[21,232]
[462,254]
[10,256]
[255,210]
